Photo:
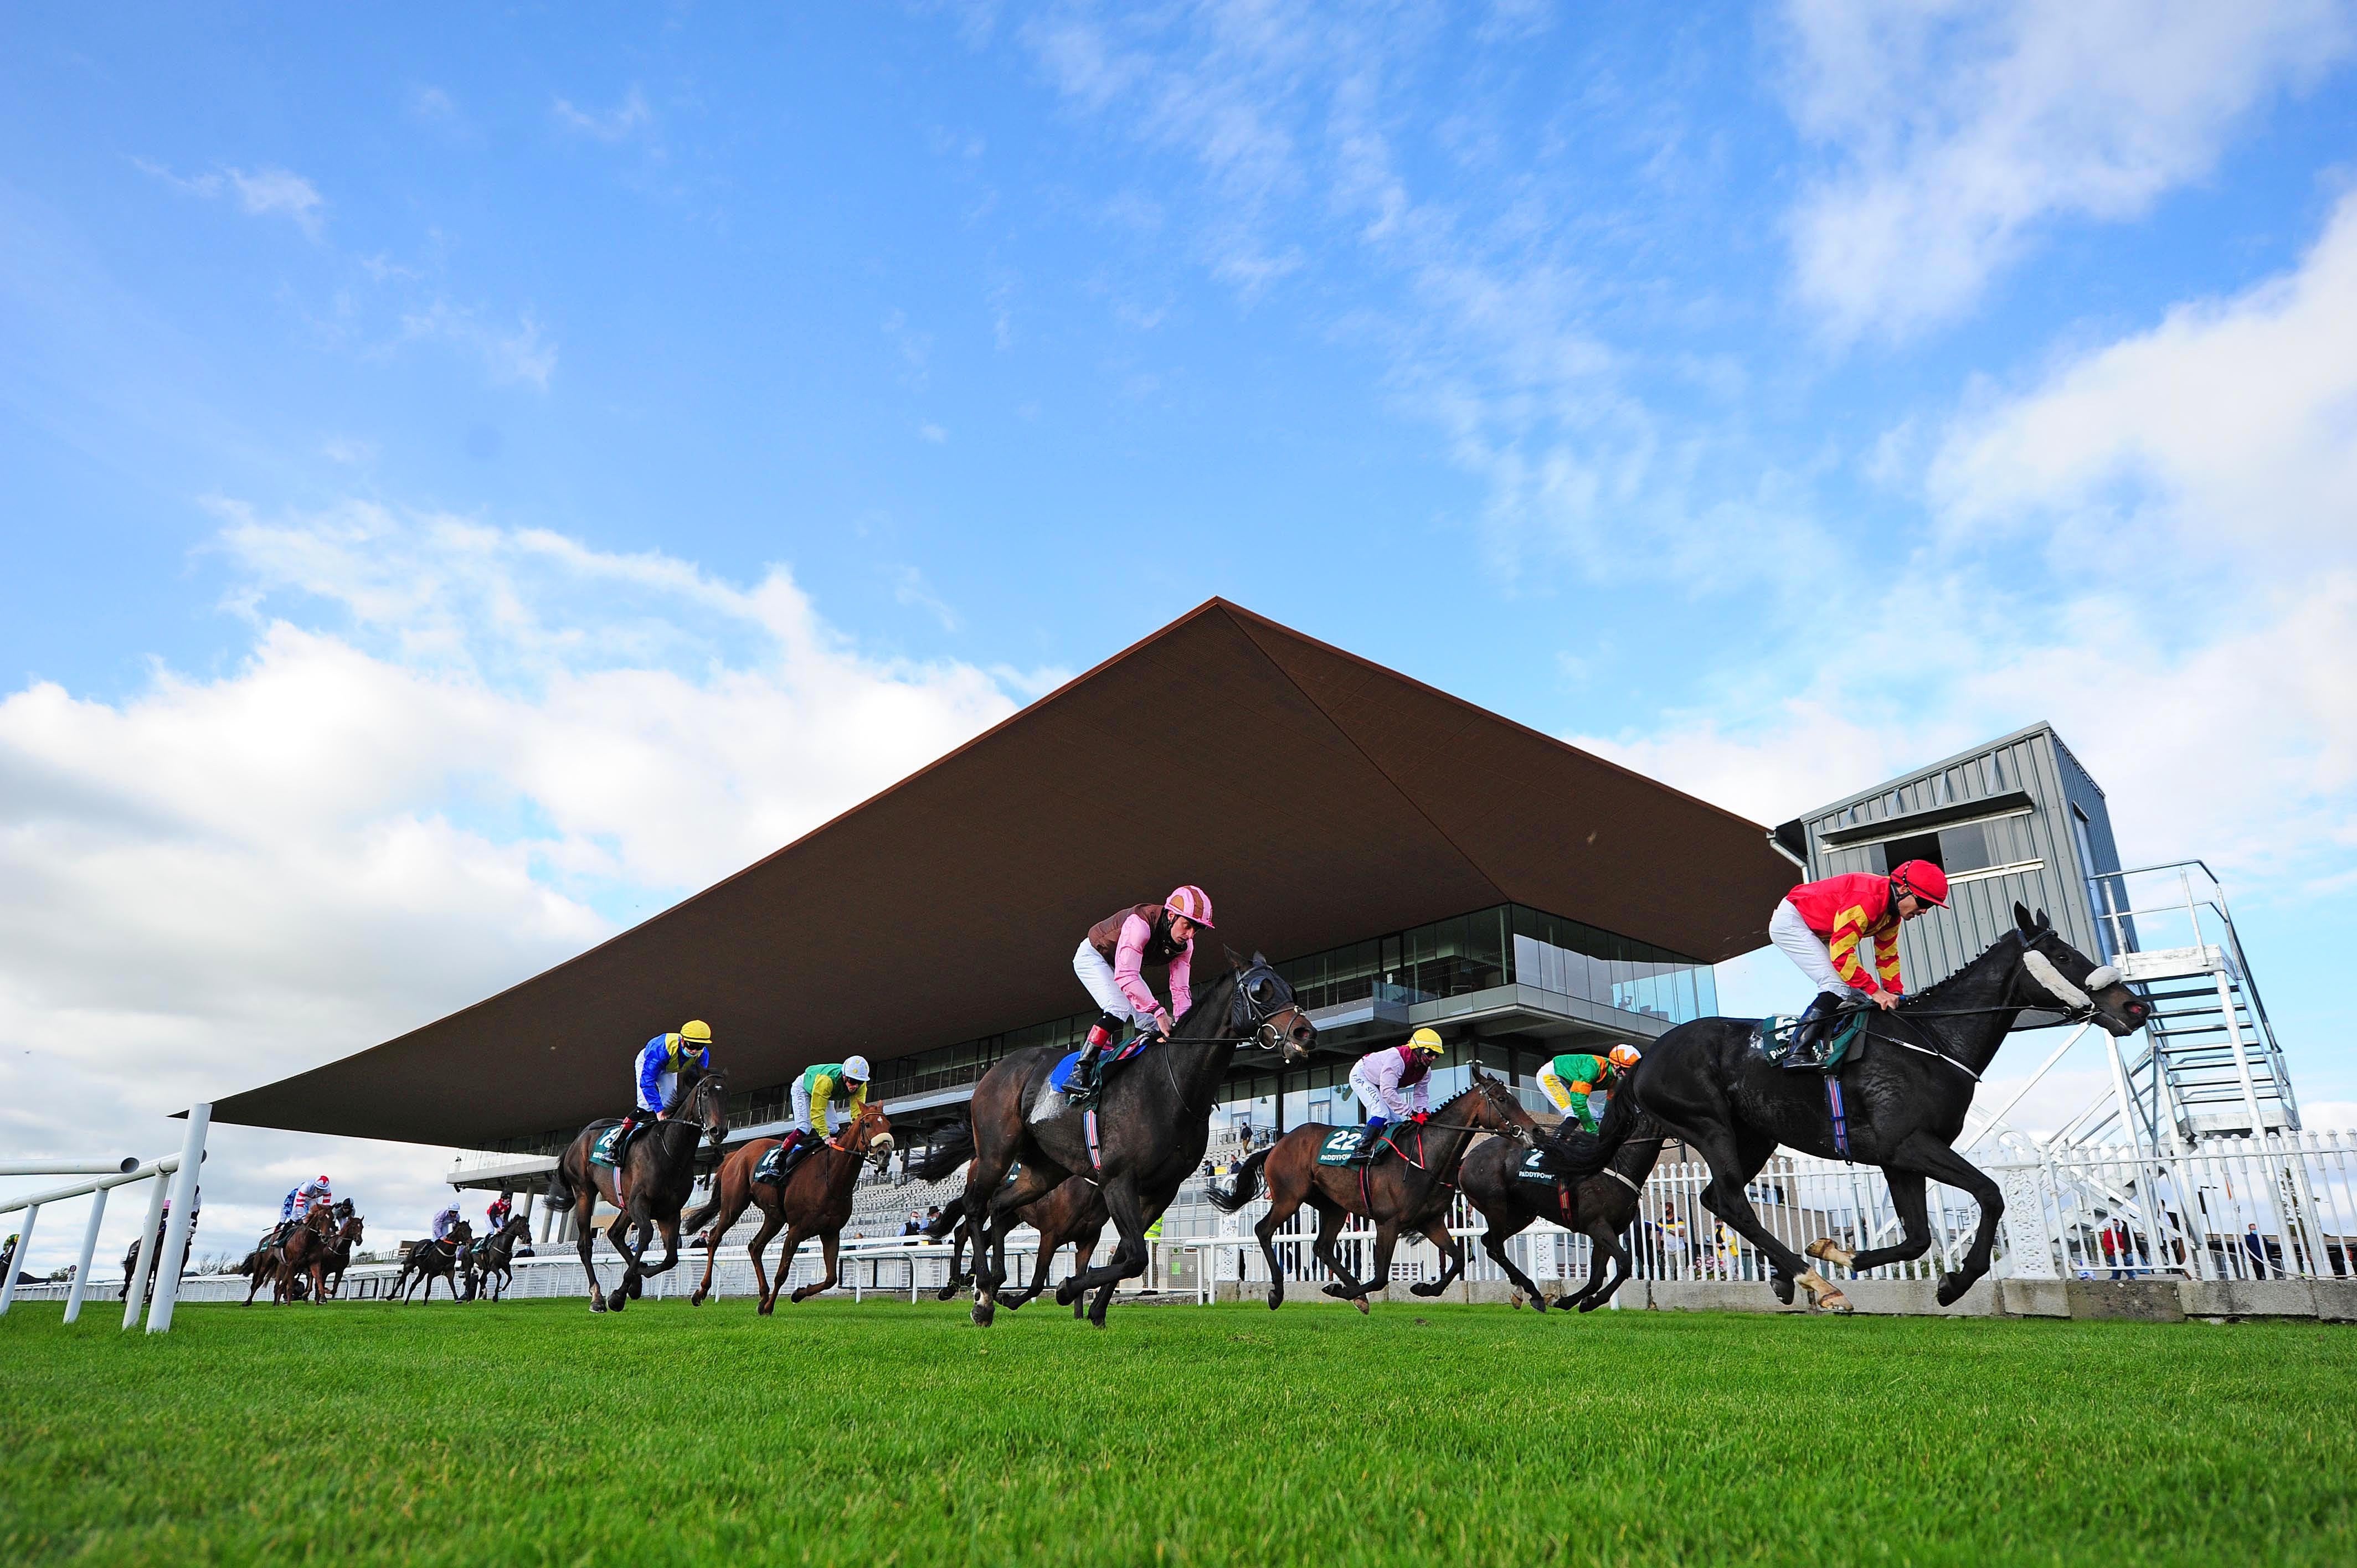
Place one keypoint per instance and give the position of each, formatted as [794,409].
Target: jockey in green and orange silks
[1569,1079]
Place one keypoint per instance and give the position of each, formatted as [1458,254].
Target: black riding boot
[1809,1034]
[1087,1073]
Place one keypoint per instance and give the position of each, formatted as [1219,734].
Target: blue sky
[470,481]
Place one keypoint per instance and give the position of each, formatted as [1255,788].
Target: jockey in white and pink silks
[1111,961]
[1395,1084]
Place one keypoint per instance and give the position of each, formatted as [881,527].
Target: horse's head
[1266,1012]
[320,1222]
[706,1103]
[461,1234]
[870,1135]
[1497,1108]
[2057,976]
[351,1230]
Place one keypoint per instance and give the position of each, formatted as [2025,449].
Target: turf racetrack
[883,1433]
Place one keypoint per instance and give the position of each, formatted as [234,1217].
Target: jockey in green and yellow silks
[821,1088]
[1569,1079]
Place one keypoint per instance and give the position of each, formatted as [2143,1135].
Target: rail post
[89,1250]
[134,1294]
[17,1258]
[176,1236]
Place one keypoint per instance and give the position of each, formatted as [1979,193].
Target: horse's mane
[1970,971]
[1232,978]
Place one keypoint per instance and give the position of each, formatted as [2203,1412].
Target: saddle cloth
[1351,1146]
[1774,1039]
[603,1152]
[1531,1167]
[1059,1082]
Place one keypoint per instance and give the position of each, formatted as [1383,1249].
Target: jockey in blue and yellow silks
[660,1062]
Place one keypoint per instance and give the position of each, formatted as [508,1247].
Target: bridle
[1246,1011]
[2075,1002]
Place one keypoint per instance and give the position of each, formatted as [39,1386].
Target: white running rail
[176,1173]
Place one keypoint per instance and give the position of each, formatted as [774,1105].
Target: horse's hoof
[983,1313]
[1952,1289]
[1275,1300]
[769,1304]
[617,1300]
[1427,1287]
[697,1299]
[1066,1295]
[636,1286]
[1783,1289]
[1826,1250]
[1361,1302]
[597,1304]
[1339,1291]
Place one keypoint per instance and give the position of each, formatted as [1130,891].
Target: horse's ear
[1235,959]
[2043,923]
[1260,958]
[2021,920]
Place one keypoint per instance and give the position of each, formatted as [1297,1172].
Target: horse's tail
[950,1148]
[560,1192]
[695,1222]
[1247,1183]
[1575,1152]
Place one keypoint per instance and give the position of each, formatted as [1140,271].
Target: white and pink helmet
[1191,903]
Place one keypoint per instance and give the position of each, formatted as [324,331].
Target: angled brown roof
[1319,797]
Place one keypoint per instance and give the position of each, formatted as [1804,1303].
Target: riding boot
[1809,1034]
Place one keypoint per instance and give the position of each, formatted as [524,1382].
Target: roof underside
[1321,800]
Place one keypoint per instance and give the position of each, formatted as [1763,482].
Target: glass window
[1964,848]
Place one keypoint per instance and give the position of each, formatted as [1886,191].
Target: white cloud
[432,105]
[1958,128]
[616,125]
[517,355]
[454,755]
[2186,615]
[261,193]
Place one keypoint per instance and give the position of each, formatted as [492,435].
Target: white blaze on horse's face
[2103,978]
[2041,970]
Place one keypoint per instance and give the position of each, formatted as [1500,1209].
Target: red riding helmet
[1923,879]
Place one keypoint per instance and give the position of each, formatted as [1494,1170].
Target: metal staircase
[2210,1065]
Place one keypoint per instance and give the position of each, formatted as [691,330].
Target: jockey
[495,1214]
[817,1094]
[300,1200]
[1569,1079]
[1821,925]
[1396,1083]
[660,1062]
[446,1221]
[1112,958]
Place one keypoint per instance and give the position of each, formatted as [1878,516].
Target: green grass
[889,1434]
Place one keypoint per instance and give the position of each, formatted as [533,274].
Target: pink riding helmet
[1191,903]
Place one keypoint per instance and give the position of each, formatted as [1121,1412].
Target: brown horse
[1400,1195]
[1600,1206]
[493,1264]
[656,1177]
[130,1254]
[1074,1213]
[297,1253]
[431,1261]
[815,1200]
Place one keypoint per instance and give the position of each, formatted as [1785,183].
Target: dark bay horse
[1073,1215]
[814,1201]
[1905,1098]
[1400,1195]
[431,1261]
[1601,1207]
[657,1177]
[1152,1124]
[297,1253]
[492,1261]
[336,1255]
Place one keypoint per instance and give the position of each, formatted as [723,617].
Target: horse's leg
[1380,1276]
[1495,1234]
[1345,1285]
[828,1242]
[1286,1188]
[585,1236]
[772,1220]
[1082,1247]
[793,1244]
[1733,1161]
[732,1208]
[1925,1154]
[1607,1265]
[1907,1196]
[1051,1243]
[617,1235]
[956,1281]
[1452,1260]
[668,1230]
[1130,1255]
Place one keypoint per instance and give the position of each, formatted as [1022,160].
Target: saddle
[775,1166]
[605,1151]
[1084,1089]
[1351,1146]
[1785,1042]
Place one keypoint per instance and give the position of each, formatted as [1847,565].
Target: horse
[1409,1194]
[814,1200]
[1073,1215]
[494,1257]
[130,1254]
[295,1253]
[431,1261]
[338,1255]
[1145,1137]
[1600,1206]
[657,1177]
[1905,1101]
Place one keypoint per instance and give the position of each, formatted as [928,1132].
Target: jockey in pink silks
[1111,961]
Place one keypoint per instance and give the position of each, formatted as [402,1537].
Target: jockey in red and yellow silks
[1821,925]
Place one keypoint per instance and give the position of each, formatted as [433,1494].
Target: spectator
[932,1214]
[2109,1236]
[913,1225]
[2257,1246]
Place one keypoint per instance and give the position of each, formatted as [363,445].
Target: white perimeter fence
[178,1173]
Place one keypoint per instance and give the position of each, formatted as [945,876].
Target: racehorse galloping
[431,1261]
[1074,1215]
[657,1174]
[298,1254]
[814,1200]
[492,1262]
[1905,1100]
[1152,1123]
[1400,1195]
[1600,1206]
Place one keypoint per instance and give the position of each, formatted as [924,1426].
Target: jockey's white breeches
[803,1115]
[1096,975]
[1388,1104]
[1793,939]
